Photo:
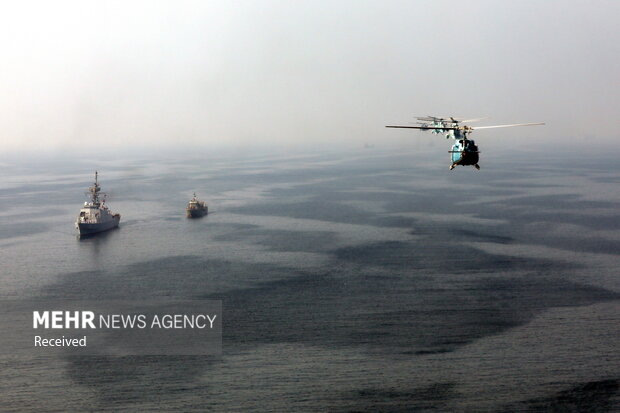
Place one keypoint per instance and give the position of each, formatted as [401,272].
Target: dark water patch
[401,314]
[281,240]
[120,382]
[20,215]
[47,195]
[521,217]
[323,210]
[128,222]
[426,321]
[427,352]
[394,222]
[339,187]
[179,276]
[438,257]
[594,222]
[177,218]
[580,244]
[606,179]
[593,397]
[521,184]
[429,203]
[560,203]
[328,199]
[433,397]
[390,254]
[12,230]
[401,199]
[342,191]
[232,226]
[31,189]
[307,308]
[480,236]
[330,176]
[538,293]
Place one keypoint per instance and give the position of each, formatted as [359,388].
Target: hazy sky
[90,73]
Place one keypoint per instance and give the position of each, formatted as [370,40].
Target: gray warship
[95,216]
[196,208]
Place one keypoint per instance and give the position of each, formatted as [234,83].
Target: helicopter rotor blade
[436,118]
[409,127]
[473,120]
[422,127]
[451,119]
[506,126]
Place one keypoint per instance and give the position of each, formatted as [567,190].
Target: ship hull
[93,228]
[196,213]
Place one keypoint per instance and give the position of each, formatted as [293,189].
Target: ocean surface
[374,280]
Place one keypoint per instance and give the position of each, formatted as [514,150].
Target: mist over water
[368,281]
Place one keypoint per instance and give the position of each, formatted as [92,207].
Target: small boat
[95,216]
[196,208]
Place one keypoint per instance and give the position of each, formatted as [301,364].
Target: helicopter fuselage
[464,152]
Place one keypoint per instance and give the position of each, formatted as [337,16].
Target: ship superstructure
[95,216]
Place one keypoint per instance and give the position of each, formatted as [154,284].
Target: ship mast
[94,191]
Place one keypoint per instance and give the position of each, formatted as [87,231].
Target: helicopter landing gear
[452,166]
[477,166]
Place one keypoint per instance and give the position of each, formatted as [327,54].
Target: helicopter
[464,151]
